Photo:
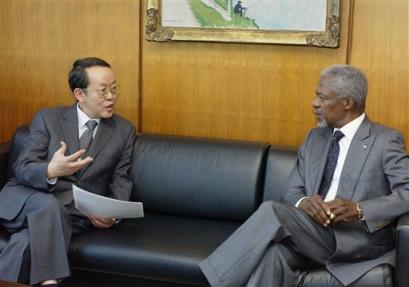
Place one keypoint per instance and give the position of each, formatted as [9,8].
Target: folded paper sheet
[93,204]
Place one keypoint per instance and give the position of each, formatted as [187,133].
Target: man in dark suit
[348,187]
[86,145]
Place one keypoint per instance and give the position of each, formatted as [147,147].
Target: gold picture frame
[327,36]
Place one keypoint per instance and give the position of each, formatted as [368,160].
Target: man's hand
[317,209]
[61,165]
[344,210]
[100,222]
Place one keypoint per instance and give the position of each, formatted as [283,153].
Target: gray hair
[348,82]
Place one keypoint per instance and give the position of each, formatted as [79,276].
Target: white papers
[93,204]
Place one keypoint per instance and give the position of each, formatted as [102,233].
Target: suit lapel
[355,160]
[104,133]
[70,129]
[319,153]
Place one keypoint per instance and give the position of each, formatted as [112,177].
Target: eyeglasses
[103,93]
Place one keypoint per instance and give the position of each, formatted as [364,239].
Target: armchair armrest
[402,252]
[4,154]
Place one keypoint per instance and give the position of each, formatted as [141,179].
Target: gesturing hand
[61,165]
[344,210]
[317,209]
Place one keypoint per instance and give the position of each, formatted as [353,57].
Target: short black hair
[77,77]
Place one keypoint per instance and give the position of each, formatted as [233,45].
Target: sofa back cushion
[197,177]
[17,146]
[280,162]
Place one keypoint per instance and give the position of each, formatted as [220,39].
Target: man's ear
[79,95]
[349,104]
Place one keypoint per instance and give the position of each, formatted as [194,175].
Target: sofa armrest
[4,154]
[402,252]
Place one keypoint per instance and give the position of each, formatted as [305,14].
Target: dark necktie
[86,138]
[330,165]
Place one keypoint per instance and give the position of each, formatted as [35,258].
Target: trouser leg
[234,261]
[15,258]
[49,234]
[279,267]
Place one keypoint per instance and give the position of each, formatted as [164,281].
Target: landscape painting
[295,15]
[299,22]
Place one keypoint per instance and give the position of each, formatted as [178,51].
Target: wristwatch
[360,212]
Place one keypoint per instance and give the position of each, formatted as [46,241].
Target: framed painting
[294,22]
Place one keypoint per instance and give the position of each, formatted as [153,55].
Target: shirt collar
[83,118]
[350,128]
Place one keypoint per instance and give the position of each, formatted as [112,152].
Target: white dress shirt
[349,131]
[82,120]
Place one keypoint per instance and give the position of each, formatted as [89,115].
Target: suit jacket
[375,174]
[107,174]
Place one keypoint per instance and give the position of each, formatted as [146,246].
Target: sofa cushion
[381,275]
[198,177]
[4,154]
[159,246]
[280,162]
[17,146]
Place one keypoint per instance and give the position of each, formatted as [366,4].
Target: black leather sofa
[196,192]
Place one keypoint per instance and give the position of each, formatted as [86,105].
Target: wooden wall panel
[236,91]
[380,46]
[239,91]
[39,40]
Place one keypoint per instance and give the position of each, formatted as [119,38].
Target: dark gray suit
[28,200]
[280,237]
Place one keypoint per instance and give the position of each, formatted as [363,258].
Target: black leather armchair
[196,192]
[402,252]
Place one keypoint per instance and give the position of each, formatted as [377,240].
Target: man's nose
[109,96]
[316,103]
